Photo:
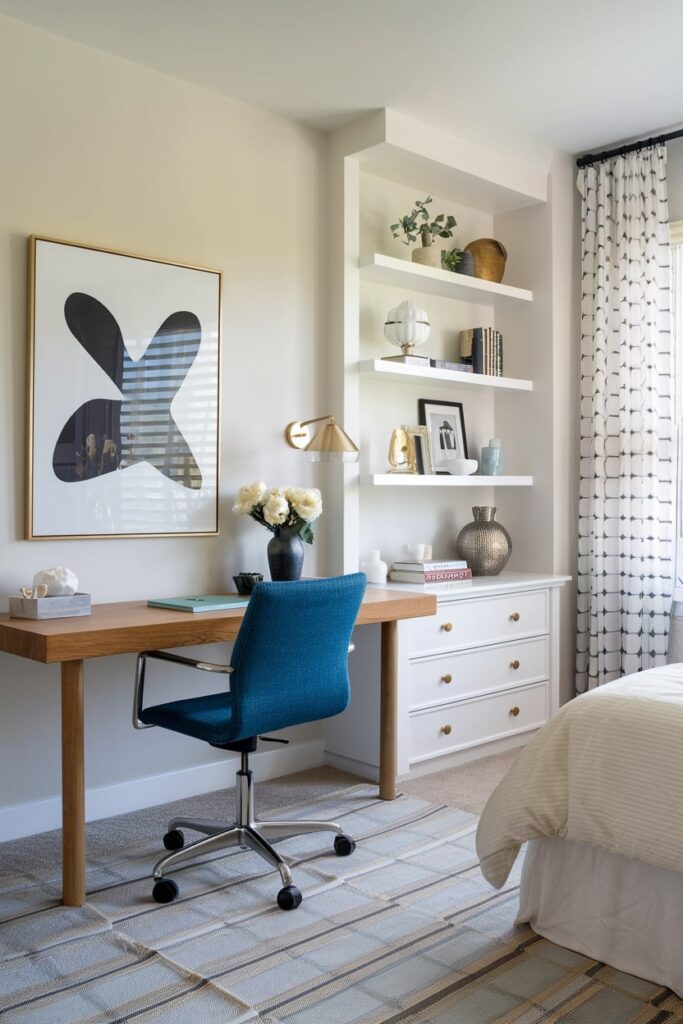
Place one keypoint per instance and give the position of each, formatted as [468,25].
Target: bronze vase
[484,544]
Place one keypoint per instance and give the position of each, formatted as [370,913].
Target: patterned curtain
[627,449]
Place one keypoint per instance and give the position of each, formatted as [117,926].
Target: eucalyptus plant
[417,222]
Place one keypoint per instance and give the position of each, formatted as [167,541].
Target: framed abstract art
[123,394]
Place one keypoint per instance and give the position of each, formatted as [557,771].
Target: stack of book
[446,364]
[483,348]
[430,573]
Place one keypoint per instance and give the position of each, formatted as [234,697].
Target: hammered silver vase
[484,544]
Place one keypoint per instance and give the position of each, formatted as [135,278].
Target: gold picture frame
[122,419]
[419,450]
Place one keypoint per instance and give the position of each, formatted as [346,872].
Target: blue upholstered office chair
[289,666]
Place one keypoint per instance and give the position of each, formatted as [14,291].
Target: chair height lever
[273,739]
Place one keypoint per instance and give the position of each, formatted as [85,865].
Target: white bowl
[464,467]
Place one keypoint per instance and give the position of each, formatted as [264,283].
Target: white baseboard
[44,815]
[434,764]
[466,756]
[350,764]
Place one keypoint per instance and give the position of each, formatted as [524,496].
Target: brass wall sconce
[329,444]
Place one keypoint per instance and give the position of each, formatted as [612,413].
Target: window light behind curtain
[627,447]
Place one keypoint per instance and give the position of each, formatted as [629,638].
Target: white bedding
[607,770]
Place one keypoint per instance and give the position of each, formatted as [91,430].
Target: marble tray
[49,607]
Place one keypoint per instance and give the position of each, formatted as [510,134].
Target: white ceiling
[525,75]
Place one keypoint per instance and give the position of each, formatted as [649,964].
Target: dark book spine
[477,350]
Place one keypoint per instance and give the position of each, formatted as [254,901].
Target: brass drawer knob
[514,617]
[446,729]
[514,664]
[448,678]
[447,626]
[514,711]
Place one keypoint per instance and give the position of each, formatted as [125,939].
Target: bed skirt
[622,912]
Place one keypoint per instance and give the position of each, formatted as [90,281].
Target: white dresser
[478,677]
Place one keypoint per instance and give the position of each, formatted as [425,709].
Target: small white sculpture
[375,569]
[407,326]
[60,582]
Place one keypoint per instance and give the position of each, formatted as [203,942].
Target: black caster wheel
[344,845]
[174,840]
[165,890]
[289,898]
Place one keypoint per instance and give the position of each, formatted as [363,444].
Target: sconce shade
[330,444]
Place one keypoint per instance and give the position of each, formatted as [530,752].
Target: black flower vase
[285,554]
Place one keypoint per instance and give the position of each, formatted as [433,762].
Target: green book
[201,603]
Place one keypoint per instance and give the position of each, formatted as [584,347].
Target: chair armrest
[178,659]
[205,666]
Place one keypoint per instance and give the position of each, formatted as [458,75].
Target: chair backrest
[290,659]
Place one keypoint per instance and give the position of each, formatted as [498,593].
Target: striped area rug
[405,931]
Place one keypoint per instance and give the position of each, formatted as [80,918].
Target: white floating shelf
[404,372]
[434,480]
[406,274]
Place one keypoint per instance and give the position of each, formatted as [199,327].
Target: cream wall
[99,150]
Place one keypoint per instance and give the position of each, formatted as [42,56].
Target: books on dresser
[457,576]
[432,565]
[430,572]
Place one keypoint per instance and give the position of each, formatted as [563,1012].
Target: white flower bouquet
[275,507]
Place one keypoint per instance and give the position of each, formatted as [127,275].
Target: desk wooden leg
[73,786]
[388,708]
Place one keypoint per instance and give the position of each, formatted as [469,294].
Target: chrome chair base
[246,832]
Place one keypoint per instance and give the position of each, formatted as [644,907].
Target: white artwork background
[140,294]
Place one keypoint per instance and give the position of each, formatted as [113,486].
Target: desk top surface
[129,627]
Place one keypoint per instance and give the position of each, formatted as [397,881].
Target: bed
[598,797]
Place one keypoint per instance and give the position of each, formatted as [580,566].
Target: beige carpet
[466,787]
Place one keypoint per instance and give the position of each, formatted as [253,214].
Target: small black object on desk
[246,581]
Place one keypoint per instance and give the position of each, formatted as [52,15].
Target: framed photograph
[419,449]
[445,423]
[123,394]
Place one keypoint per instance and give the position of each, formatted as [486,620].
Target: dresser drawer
[451,727]
[482,621]
[451,676]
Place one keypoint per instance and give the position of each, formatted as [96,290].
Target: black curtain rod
[657,140]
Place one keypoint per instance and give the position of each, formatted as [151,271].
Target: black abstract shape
[105,435]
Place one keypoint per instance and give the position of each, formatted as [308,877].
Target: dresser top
[483,586]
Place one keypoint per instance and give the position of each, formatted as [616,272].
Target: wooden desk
[131,627]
